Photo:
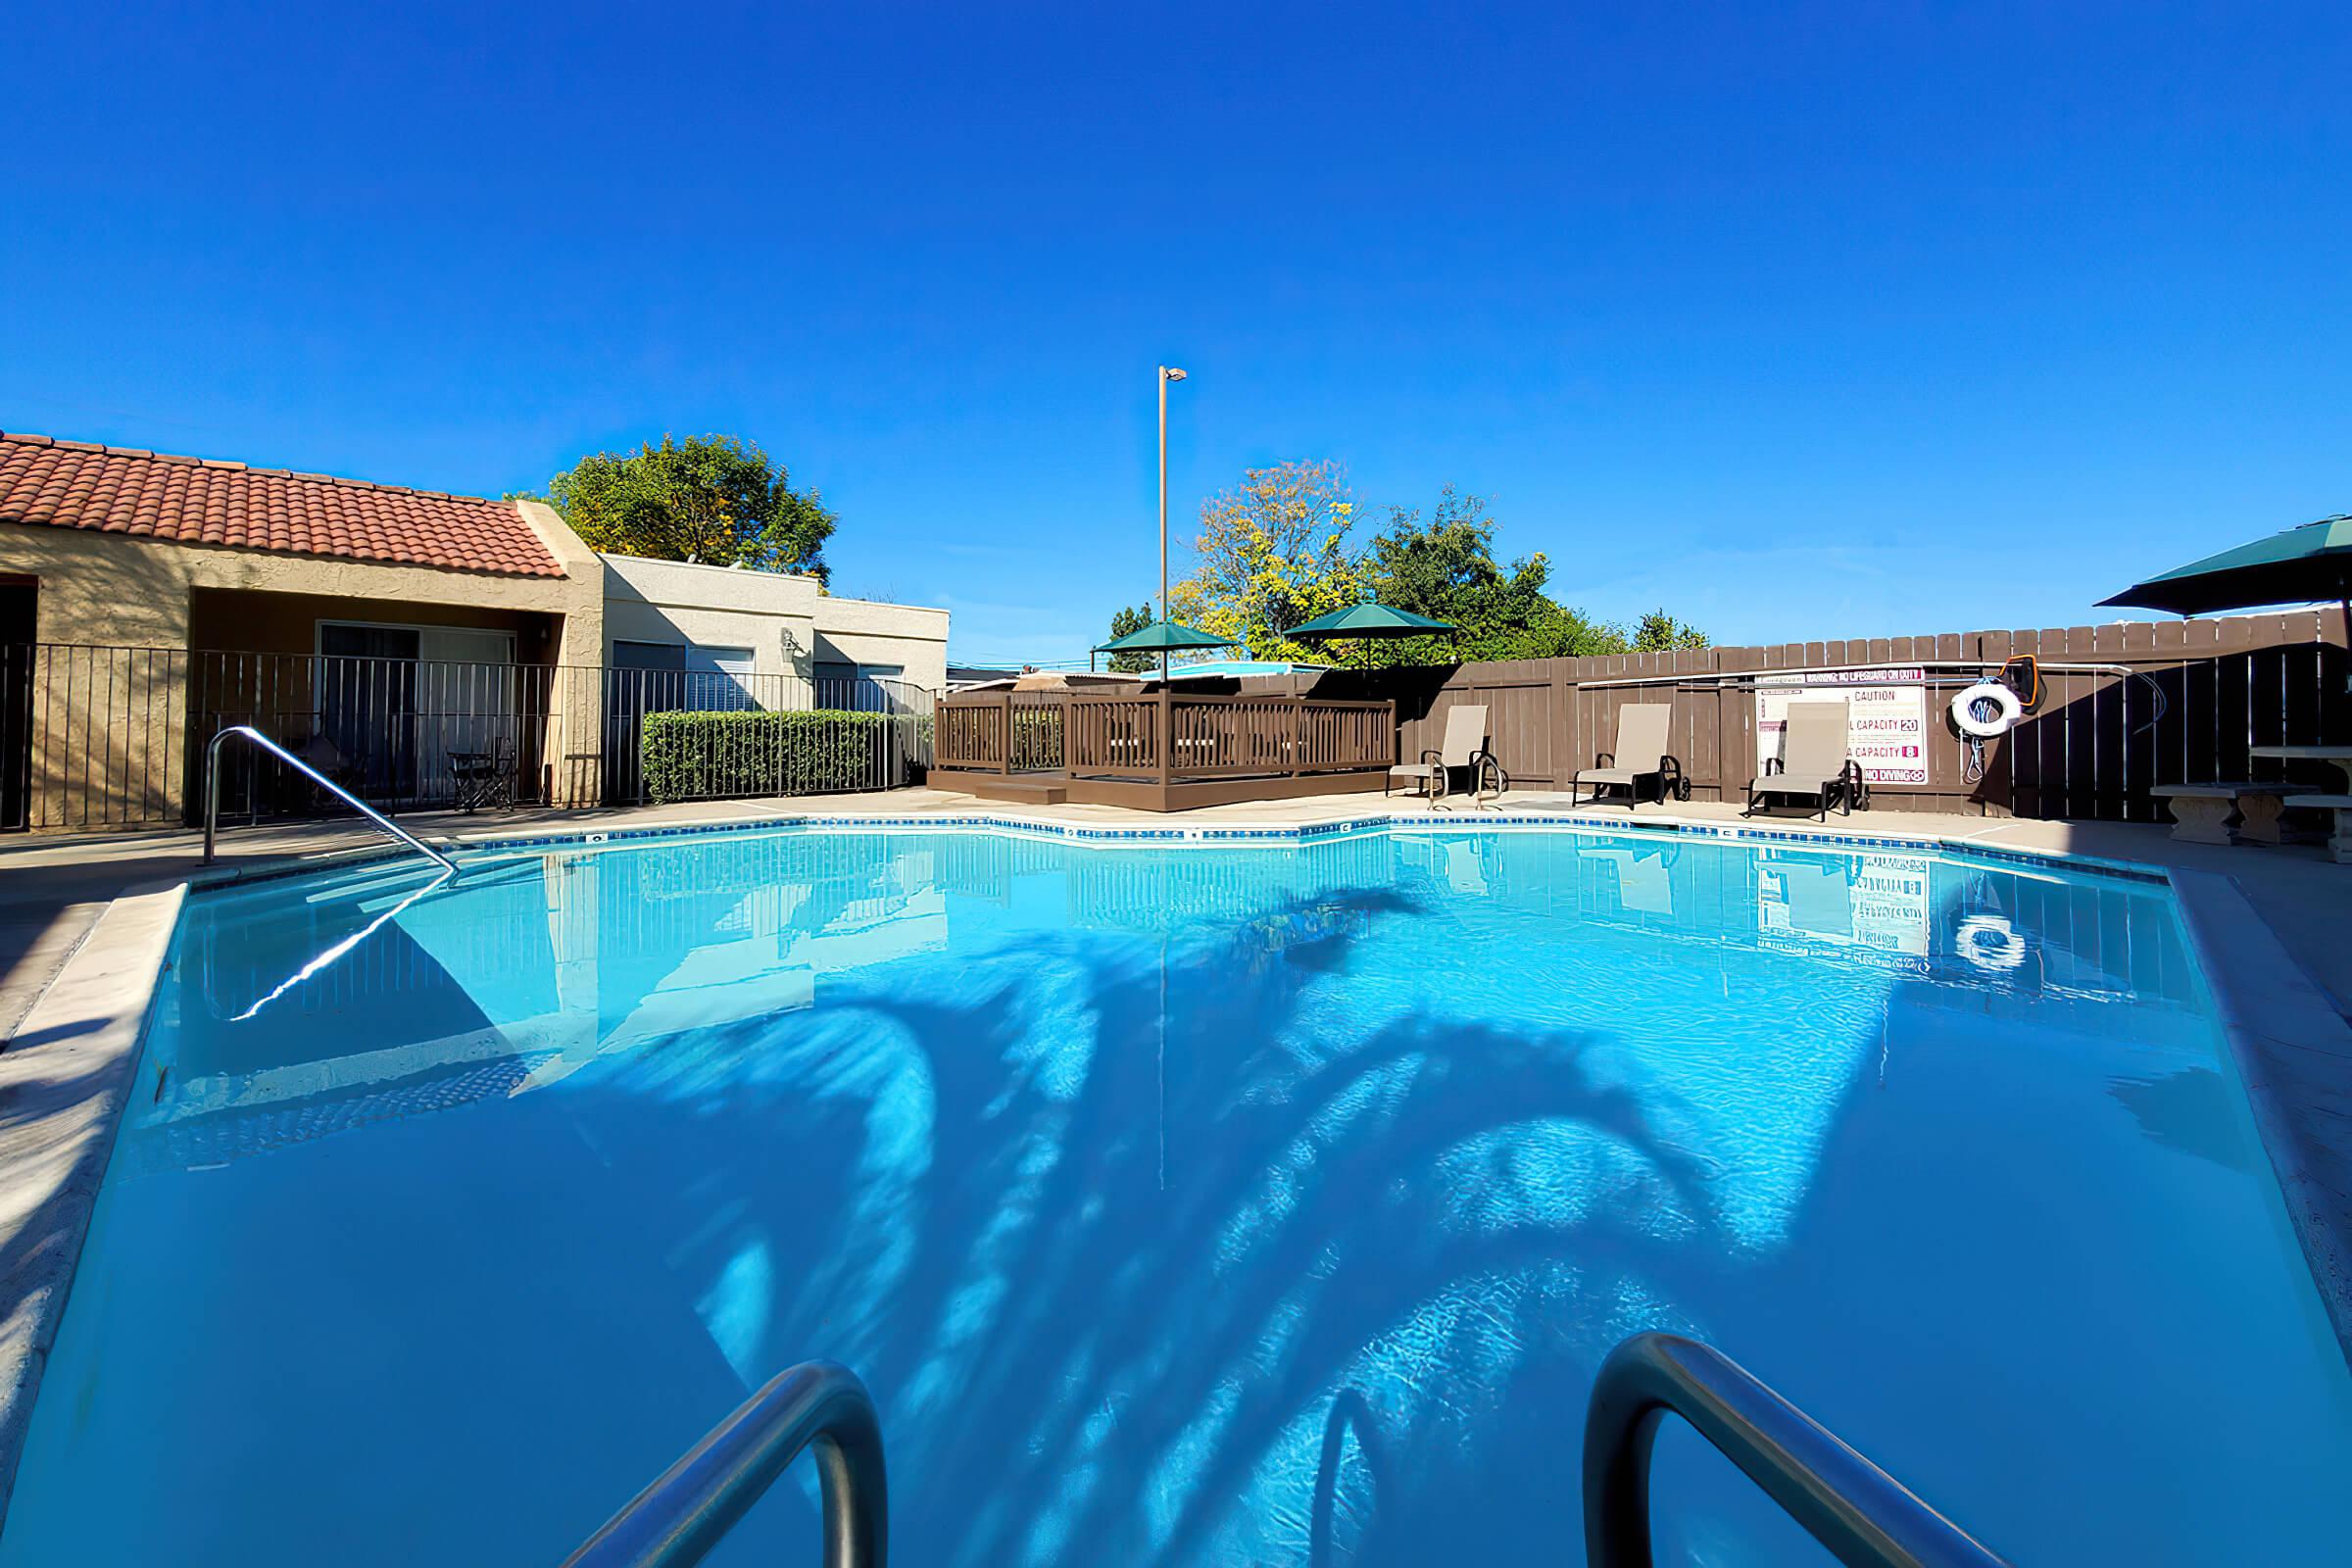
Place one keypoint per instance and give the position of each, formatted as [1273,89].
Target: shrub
[690,757]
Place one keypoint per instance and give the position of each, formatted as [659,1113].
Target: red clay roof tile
[80,484]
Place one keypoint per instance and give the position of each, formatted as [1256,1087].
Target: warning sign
[1885,718]
[1874,900]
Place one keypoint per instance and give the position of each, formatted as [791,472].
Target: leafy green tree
[1446,568]
[1562,632]
[1658,632]
[1273,553]
[714,499]
[1123,623]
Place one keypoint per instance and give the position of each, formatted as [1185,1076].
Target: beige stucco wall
[867,631]
[277,622]
[121,590]
[786,621]
[712,606]
[109,743]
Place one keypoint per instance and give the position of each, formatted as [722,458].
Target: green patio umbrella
[1162,637]
[1367,620]
[2300,565]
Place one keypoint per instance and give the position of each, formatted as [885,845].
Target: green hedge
[692,757]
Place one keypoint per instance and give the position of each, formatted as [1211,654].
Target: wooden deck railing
[1163,736]
[1117,737]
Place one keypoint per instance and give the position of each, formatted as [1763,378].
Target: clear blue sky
[1767,315]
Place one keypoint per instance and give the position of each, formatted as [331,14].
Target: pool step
[1035,790]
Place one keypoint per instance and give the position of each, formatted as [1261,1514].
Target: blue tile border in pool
[1175,834]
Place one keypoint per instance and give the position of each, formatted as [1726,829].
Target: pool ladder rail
[691,1505]
[1864,1516]
[211,795]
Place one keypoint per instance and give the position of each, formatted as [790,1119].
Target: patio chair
[1641,747]
[484,778]
[1814,762]
[1465,747]
[325,756]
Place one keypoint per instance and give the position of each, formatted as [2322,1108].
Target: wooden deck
[1160,751]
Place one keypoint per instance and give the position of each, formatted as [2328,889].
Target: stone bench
[2201,811]
[2340,846]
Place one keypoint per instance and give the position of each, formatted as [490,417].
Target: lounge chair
[1813,763]
[1817,894]
[1465,748]
[1644,879]
[1641,746]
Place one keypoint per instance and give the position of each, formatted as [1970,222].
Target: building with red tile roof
[204,501]
[147,601]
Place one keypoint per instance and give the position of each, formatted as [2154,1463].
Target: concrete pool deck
[86,921]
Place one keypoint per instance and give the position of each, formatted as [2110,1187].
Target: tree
[1446,568]
[714,499]
[1273,554]
[1562,632]
[1127,622]
[1658,632]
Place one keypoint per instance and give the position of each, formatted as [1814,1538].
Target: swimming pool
[1263,1203]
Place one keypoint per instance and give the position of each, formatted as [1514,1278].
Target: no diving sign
[1885,718]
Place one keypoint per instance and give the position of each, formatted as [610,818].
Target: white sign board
[1883,903]
[1885,718]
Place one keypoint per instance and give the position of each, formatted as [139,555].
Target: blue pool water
[1203,1205]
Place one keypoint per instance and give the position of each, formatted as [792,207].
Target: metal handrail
[211,795]
[674,1522]
[1863,1515]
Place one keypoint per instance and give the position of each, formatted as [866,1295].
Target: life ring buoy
[1989,943]
[2007,709]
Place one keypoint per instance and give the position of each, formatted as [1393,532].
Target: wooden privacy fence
[2214,688]
[1172,737]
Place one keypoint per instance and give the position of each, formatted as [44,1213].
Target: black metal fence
[115,737]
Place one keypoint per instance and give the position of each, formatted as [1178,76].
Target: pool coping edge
[2293,1054]
[68,1088]
[1222,836]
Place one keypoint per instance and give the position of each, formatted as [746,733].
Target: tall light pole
[1167,374]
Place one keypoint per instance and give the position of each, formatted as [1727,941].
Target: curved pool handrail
[211,795]
[675,1521]
[1864,1516]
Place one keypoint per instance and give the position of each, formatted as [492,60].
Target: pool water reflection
[1265,1204]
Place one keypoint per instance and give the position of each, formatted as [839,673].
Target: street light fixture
[1167,374]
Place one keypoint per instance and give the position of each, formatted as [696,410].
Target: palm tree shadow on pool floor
[1110,1312]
